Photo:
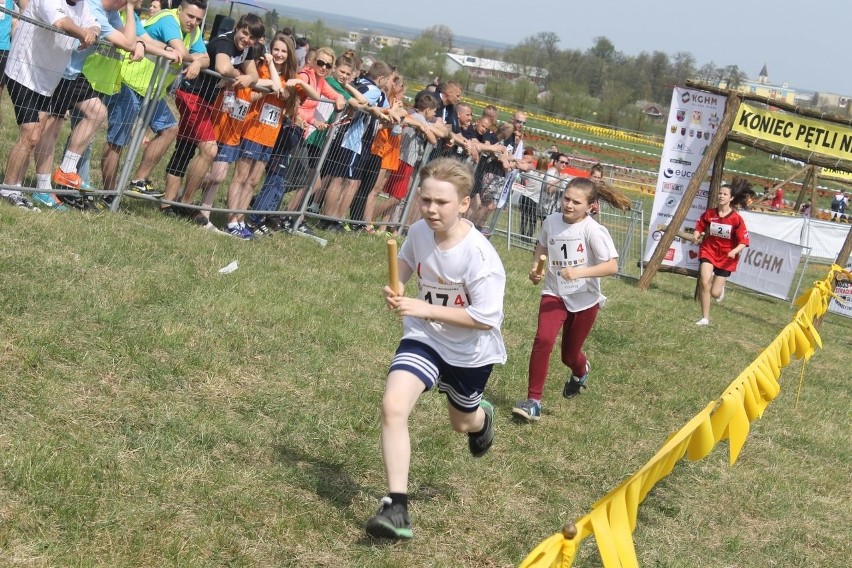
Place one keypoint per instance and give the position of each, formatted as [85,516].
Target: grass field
[158,413]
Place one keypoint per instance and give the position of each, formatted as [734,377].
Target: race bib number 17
[452,295]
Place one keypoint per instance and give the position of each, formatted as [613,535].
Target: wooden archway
[715,156]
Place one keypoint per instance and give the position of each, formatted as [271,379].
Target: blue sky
[803,46]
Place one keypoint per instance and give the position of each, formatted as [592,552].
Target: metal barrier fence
[305,173]
[345,176]
[531,196]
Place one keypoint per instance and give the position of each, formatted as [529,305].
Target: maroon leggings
[552,314]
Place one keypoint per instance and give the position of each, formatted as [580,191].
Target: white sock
[43,182]
[69,162]
[233,225]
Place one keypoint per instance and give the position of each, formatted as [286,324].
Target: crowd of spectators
[258,111]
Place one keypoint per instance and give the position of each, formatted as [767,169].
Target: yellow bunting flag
[612,519]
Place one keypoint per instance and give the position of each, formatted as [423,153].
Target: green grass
[158,413]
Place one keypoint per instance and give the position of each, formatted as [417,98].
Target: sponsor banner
[835,174]
[783,227]
[824,238]
[767,265]
[844,292]
[694,118]
[794,131]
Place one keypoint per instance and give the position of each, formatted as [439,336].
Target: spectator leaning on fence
[302,48]
[325,113]
[385,150]
[264,122]
[6,25]
[530,199]
[231,110]
[75,92]
[104,72]
[446,124]
[490,177]
[37,59]
[554,184]
[467,130]
[341,190]
[267,115]
[412,147]
[482,139]
[178,32]
[313,83]
[229,57]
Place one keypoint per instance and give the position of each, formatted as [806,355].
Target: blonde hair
[452,171]
[505,130]
[325,51]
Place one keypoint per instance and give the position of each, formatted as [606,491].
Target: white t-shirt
[38,56]
[586,243]
[470,276]
[531,185]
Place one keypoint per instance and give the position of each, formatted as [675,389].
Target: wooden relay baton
[393,267]
[539,269]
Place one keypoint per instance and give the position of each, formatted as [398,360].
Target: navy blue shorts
[462,385]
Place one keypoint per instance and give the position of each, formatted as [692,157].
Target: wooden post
[841,260]
[772,190]
[806,185]
[731,108]
[845,251]
[812,213]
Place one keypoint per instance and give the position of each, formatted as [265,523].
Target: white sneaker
[721,296]
[703,321]
[17,199]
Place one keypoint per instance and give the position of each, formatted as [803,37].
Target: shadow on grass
[337,487]
[502,403]
[332,482]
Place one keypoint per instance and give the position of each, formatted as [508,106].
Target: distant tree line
[600,84]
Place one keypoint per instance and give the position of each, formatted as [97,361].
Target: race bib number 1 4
[567,253]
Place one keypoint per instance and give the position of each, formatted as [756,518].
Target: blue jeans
[273,189]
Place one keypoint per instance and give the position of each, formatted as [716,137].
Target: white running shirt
[470,276]
[586,243]
[38,56]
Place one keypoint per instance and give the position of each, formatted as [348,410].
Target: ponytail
[741,192]
[600,191]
